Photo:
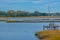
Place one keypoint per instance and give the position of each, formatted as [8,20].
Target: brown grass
[48,35]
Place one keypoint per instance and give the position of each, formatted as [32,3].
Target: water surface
[20,31]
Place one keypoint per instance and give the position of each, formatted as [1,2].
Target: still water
[20,31]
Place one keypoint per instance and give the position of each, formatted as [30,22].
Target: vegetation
[48,35]
[18,13]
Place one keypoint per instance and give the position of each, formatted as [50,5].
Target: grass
[48,35]
[10,21]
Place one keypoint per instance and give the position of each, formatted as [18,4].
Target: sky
[30,5]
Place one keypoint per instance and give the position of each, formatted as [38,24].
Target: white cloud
[33,1]
[15,0]
[55,3]
[38,1]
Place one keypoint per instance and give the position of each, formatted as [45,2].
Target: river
[20,31]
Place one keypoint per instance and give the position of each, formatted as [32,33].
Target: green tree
[25,13]
[36,13]
[11,13]
[2,14]
[19,13]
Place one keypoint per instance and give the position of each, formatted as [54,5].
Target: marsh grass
[48,35]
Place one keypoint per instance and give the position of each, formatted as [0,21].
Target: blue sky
[30,5]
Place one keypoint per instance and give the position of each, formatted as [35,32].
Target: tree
[25,13]
[11,13]
[57,14]
[19,13]
[44,14]
[36,13]
[2,14]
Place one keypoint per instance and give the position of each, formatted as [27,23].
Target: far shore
[34,17]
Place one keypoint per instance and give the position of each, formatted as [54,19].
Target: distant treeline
[12,13]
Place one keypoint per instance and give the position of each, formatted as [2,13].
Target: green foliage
[18,13]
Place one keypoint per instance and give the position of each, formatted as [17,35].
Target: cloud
[14,0]
[55,3]
[36,1]
[23,1]
[52,5]
[32,1]
[39,1]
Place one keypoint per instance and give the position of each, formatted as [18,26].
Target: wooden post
[43,28]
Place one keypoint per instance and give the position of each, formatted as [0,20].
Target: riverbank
[34,17]
[48,35]
[11,21]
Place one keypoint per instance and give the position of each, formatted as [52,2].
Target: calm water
[20,31]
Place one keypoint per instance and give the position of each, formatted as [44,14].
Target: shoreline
[34,17]
[48,35]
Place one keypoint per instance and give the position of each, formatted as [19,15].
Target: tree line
[18,13]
